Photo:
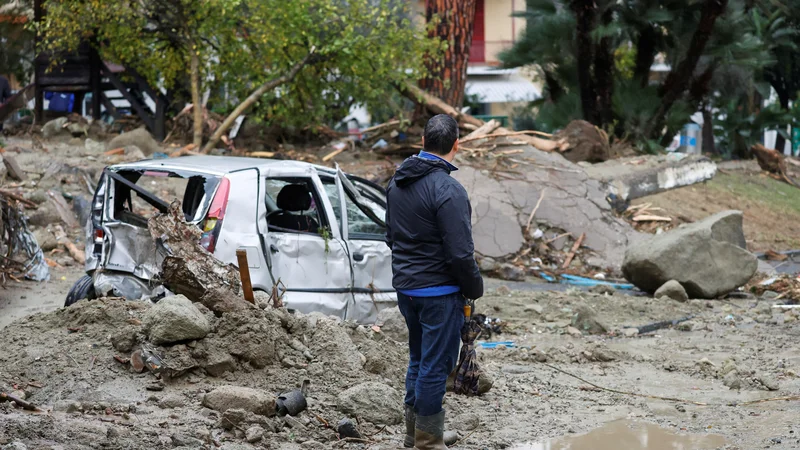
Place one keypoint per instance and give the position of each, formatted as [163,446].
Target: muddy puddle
[629,435]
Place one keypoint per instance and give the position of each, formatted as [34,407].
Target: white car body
[344,269]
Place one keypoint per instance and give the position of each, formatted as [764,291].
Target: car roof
[215,165]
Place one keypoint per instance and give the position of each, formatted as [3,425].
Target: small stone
[312,445]
[450,437]
[603,289]
[488,265]
[768,381]
[172,401]
[231,418]
[770,295]
[347,429]
[254,434]
[376,402]
[585,320]
[539,356]
[534,308]
[155,387]
[574,332]
[175,319]
[689,325]
[503,290]
[254,400]
[511,272]
[732,380]
[672,289]
[293,422]
[680,408]
[466,422]
[630,332]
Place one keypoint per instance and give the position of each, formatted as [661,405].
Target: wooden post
[244,273]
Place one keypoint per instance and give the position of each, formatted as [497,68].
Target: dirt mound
[64,362]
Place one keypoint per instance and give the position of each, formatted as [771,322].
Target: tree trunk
[585,17]
[448,75]
[708,131]
[678,80]
[553,86]
[252,98]
[604,76]
[197,108]
[645,55]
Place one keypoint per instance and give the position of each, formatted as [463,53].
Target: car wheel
[82,289]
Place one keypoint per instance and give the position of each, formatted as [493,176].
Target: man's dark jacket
[429,229]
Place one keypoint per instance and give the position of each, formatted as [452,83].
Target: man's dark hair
[441,133]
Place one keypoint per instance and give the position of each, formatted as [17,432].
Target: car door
[364,233]
[310,267]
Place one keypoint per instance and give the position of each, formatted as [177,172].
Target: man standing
[430,234]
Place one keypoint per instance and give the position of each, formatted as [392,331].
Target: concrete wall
[501,30]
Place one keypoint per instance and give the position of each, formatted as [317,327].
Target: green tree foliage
[359,47]
[572,42]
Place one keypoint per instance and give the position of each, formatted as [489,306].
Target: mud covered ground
[731,352]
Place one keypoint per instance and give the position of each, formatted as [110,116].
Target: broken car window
[292,206]
[135,208]
[361,222]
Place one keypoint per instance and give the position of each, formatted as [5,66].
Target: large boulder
[374,402]
[255,401]
[139,137]
[175,319]
[707,258]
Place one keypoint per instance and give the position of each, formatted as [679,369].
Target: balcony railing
[486,52]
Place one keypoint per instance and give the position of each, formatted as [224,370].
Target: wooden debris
[651,218]
[772,255]
[536,208]
[14,171]
[63,209]
[388,124]
[18,198]
[261,154]
[77,254]
[244,273]
[20,402]
[341,148]
[419,96]
[574,250]
[482,131]
[114,152]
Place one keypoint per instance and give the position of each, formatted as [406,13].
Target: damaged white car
[314,232]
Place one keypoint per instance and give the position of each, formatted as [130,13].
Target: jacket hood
[415,168]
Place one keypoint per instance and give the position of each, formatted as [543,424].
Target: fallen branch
[20,402]
[252,98]
[651,218]
[533,213]
[16,197]
[261,154]
[388,124]
[574,250]
[334,153]
[482,130]
[419,96]
[77,254]
[506,133]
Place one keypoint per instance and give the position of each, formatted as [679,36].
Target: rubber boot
[411,421]
[429,432]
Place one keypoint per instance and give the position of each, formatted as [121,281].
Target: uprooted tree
[295,63]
